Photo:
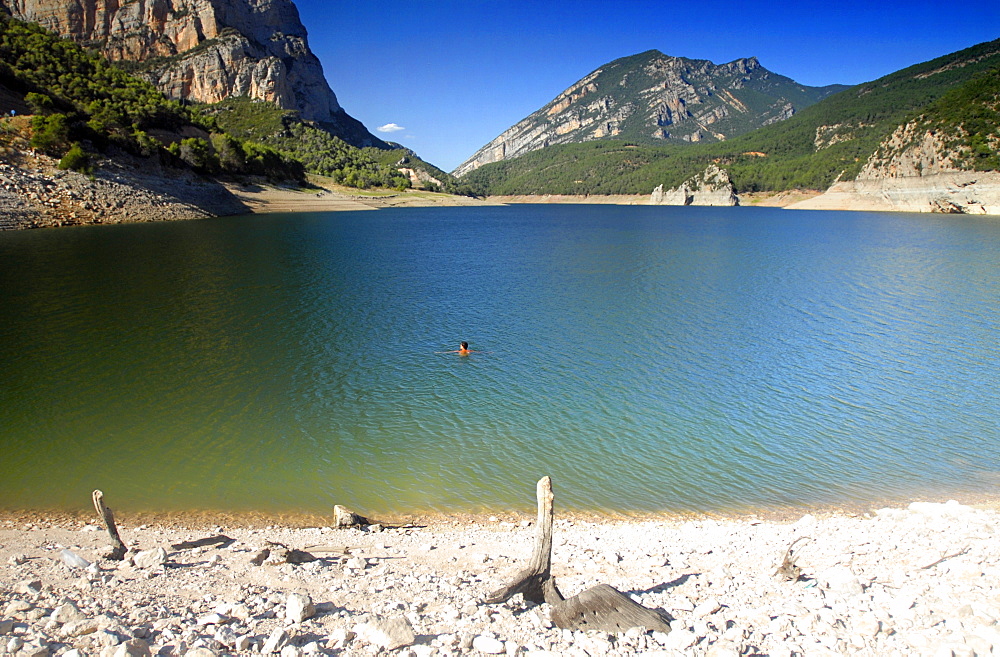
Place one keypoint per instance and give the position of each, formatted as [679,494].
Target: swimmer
[463,350]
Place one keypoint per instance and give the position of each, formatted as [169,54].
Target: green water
[647,358]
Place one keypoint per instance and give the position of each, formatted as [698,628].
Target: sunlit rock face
[203,50]
[652,97]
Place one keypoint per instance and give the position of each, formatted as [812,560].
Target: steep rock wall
[204,50]
[711,187]
[913,171]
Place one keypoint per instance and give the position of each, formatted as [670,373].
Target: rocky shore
[896,581]
[34,193]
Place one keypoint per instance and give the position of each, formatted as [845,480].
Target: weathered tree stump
[599,608]
[535,582]
[118,548]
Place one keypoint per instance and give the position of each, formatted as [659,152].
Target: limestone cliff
[711,187]
[914,170]
[651,97]
[205,50]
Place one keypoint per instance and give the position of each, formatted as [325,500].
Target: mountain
[828,141]
[206,51]
[651,97]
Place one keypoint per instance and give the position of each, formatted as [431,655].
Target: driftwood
[607,609]
[599,608]
[535,582]
[118,548]
[788,570]
[220,539]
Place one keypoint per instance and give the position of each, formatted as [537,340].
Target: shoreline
[292,518]
[916,579]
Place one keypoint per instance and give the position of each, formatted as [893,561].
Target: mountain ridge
[650,97]
[827,141]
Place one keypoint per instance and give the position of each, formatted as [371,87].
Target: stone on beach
[344,517]
[276,641]
[918,580]
[489,645]
[386,633]
[73,560]
[299,607]
[150,558]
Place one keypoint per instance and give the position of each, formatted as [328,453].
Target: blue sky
[455,74]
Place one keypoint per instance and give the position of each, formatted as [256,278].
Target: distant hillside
[650,98]
[830,140]
[308,142]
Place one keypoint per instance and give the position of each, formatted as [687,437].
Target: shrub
[75,159]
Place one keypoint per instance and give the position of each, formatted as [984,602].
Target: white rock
[212,619]
[275,642]
[226,636]
[355,563]
[707,607]
[66,613]
[79,628]
[299,607]
[291,651]
[200,651]
[950,509]
[73,560]
[133,648]
[386,633]
[841,580]
[150,558]
[678,640]
[29,587]
[805,522]
[868,625]
[339,638]
[489,645]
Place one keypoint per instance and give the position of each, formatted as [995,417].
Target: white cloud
[390,127]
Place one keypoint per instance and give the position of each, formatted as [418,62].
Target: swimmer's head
[465,346]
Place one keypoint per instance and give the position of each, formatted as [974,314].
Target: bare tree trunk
[599,608]
[535,582]
[118,548]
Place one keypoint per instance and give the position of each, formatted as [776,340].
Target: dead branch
[220,539]
[945,558]
[118,548]
[788,570]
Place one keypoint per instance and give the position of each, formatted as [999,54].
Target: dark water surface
[647,358]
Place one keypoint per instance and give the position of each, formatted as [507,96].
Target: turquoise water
[647,358]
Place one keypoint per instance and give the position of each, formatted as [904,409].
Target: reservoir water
[648,358]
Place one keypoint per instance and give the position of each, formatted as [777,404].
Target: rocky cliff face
[650,97]
[711,187]
[914,170]
[205,50]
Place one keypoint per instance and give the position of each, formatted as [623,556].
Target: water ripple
[647,358]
